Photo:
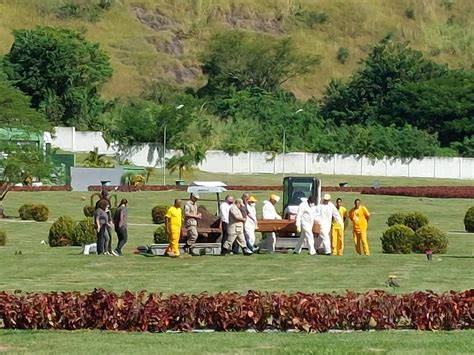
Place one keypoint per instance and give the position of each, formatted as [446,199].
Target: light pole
[177,108]
[284,141]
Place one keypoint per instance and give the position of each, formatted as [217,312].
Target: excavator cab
[295,188]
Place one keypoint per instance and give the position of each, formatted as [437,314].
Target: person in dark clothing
[121,226]
[102,223]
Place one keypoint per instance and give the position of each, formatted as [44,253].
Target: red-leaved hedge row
[423,191]
[40,188]
[126,188]
[131,188]
[153,312]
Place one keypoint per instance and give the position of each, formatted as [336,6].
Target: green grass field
[41,268]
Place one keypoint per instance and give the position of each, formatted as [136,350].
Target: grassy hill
[149,39]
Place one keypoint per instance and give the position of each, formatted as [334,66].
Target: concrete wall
[291,163]
[82,178]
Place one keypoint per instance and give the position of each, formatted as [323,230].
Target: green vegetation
[61,231]
[398,239]
[84,232]
[469,220]
[430,238]
[3,239]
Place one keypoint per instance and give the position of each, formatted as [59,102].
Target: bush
[342,55]
[84,232]
[398,239]
[3,239]
[413,220]
[469,220]
[416,220]
[430,237]
[89,211]
[160,236]
[60,233]
[37,212]
[410,13]
[40,213]
[25,212]
[158,214]
[396,218]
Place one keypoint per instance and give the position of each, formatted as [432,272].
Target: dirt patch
[183,74]
[4,348]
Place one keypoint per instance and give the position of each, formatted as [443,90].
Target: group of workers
[239,223]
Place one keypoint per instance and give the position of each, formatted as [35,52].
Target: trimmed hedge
[430,237]
[413,220]
[37,212]
[60,233]
[469,220]
[158,214]
[160,236]
[397,239]
[84,232]
[3,239]
[423,191]
[153,312]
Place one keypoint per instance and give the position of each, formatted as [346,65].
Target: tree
[191,155]
[96,160]
[362,98]
[62,72]
[243,60]
[19,158]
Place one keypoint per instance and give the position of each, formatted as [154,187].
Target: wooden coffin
[280,226]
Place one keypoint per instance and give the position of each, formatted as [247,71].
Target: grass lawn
[41,268]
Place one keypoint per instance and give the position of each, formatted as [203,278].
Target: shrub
[416,220]
[342,55]
[60,233]
[37,212]
[89,211]
[469,220]
[396,218]
[25,212]
[430,237]
[160,236]
[84,232]
[40,213]
[410,13]
[398,239]
[158,214]
[3,238]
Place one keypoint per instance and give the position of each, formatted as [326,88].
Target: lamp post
[177,108]
[284,141]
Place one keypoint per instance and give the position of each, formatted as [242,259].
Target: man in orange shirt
[359,215]
[173,221]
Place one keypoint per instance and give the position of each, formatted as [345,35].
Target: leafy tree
[96,160]
[466,147]
[191,155]
[388,64]
[244,60]
[62,72]
[19,160]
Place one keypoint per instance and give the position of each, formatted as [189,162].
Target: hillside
[148,39]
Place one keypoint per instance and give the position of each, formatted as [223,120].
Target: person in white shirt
[324,213]
[304,224]
[251,221]
[269,212]
[224,209]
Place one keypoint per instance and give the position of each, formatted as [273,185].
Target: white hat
[195,195]
[327,197]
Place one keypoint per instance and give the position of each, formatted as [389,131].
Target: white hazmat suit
[324,215]
[250,223]
[304,223]
[269,212]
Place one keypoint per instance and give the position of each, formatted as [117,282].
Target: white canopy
[207,187]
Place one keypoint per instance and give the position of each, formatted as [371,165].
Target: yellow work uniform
[175,221]
[359,217]
[337,233]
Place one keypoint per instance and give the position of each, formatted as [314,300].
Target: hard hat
[275,197]
[252,199]
[327,197]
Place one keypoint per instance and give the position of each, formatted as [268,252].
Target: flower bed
[235,312]
[423,191]
[40,188]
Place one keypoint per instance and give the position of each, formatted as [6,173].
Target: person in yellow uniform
[173,221]
[337,230]
[359,215]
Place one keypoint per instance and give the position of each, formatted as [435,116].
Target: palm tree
[96,160]
[192,155]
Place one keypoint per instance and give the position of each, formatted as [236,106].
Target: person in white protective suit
[304,225]
[325,212]
[251,222]
[269,212]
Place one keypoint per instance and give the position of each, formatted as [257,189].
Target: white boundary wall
[292,163]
